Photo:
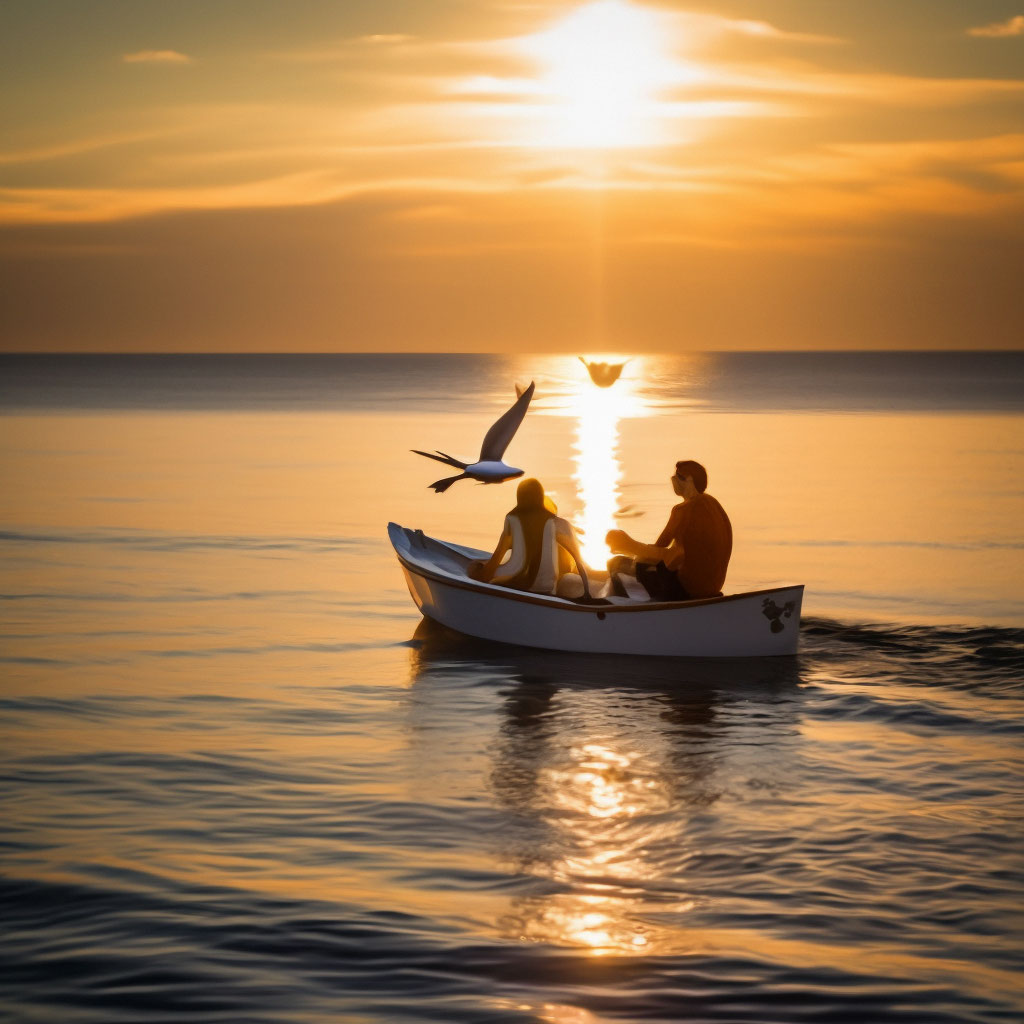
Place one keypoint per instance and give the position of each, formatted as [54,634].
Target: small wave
[975,545]
[213,652]
[957,657]
[999,641]
[159,541]
[189,594]
[138,946]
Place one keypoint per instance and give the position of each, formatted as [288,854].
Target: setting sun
[604,66]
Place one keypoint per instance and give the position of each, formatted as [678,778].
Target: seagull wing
[504,429]
[441,457]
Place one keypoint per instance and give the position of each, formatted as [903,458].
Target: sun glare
[603,68]
[598,472]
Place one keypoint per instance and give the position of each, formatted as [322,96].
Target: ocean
[242,780]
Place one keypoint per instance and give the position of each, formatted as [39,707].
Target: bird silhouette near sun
[604,375]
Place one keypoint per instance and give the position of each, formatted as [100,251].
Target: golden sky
[393,175]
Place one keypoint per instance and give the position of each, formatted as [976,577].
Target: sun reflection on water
[598,472]
[608,804]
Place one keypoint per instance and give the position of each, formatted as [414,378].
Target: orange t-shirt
[703,529]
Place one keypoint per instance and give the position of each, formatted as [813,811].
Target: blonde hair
[529,495]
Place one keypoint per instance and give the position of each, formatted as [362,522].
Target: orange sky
[496,175]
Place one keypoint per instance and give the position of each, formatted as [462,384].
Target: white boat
[759,623]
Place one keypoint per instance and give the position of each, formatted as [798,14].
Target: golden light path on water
[608,804]
[597,799]
[598,471]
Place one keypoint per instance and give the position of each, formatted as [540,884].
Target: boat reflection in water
[609,772]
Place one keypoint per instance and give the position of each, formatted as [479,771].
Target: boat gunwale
[545,601]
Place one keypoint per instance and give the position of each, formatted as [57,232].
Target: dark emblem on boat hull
[774,614]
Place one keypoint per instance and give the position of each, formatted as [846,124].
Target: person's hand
[616,539]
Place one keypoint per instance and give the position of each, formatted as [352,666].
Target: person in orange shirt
[690,558]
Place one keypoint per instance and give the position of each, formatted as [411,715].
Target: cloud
[386,39]
[83,205]
[1000,29]
[764,30]
[507,266]
[892,90]
[939,178]
[77,147]
[156,57]
[478,116]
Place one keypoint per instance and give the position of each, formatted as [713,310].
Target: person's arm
[567,538]
[484,571]
[675,557]
[671,530]
[666,548]
[621,543]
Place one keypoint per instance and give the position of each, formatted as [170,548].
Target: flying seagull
[488,469]
[604,375]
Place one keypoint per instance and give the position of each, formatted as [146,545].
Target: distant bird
[489,468]
[604,375]
[627,512]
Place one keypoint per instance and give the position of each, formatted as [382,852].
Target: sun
[603,67]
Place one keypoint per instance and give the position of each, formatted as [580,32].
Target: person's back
[530,527]
[536,538]
[532,564]
[702,529]
[690,558]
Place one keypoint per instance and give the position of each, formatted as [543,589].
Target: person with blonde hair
[537,540]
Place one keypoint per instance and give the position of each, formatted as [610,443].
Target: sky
[446,175]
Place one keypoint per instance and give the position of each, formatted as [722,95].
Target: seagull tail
[440,486]
[441,457]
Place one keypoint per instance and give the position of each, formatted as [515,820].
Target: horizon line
[626,354]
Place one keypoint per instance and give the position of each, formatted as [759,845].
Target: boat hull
[758,624]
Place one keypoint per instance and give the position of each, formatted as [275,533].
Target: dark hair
[687,467]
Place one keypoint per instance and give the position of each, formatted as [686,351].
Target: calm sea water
[241,780]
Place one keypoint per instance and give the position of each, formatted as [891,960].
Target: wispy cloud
[77,147]
[954,177]
[742,113]
[877,87]
[765,30]
[94,205]
[156,57]
[1000,29]
[385,38]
